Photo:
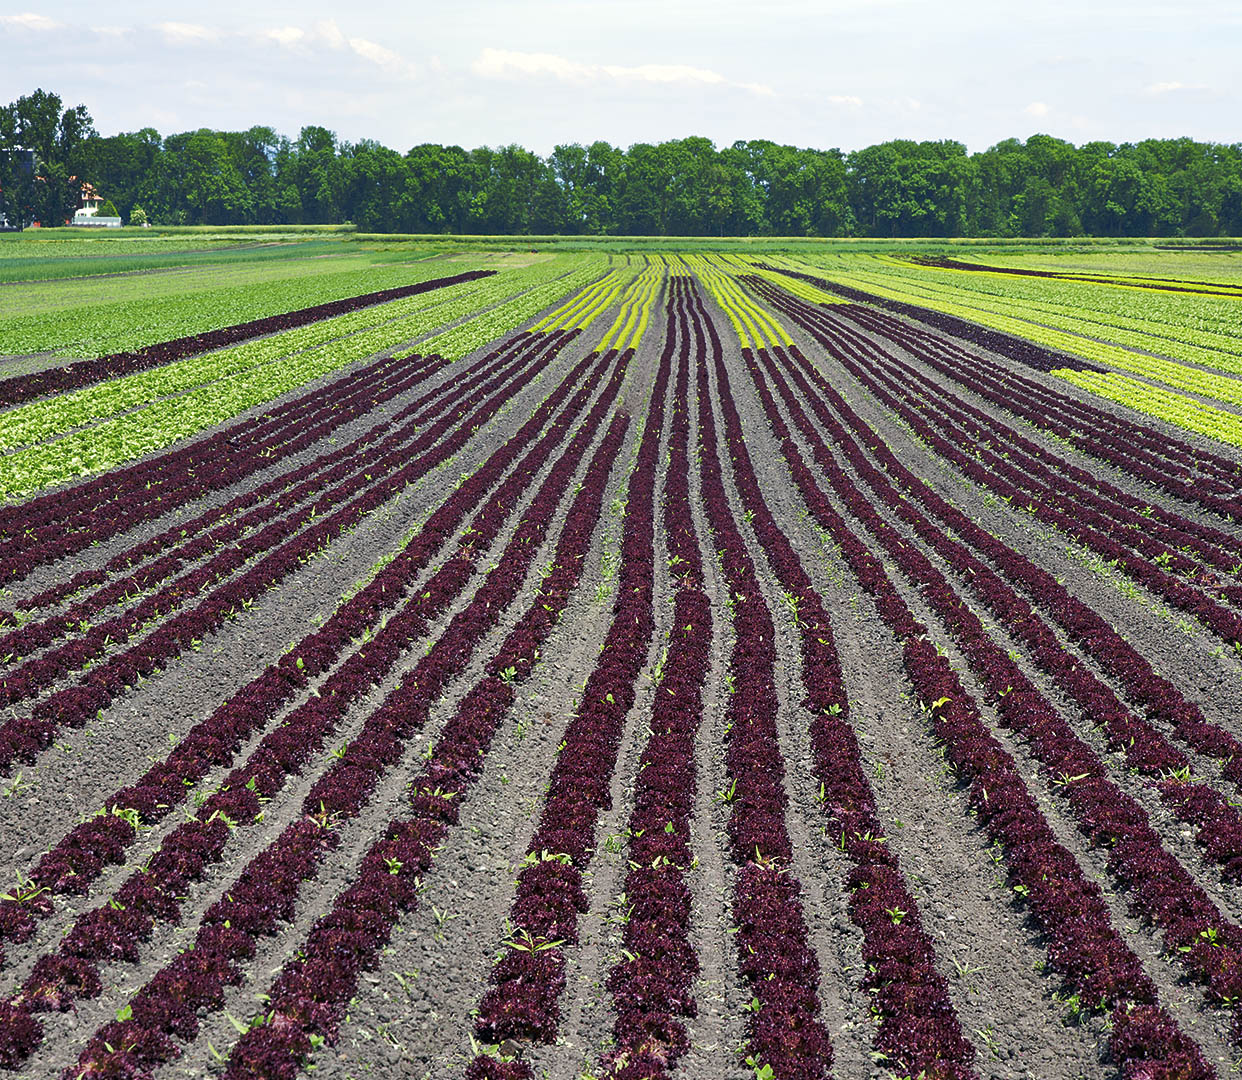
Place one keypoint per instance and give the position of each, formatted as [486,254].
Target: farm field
[744,664]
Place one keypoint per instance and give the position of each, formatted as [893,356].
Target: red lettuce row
[184,544]
[1098,432]
[1175,466]
[1126,518]
[1081,941]
[21,388]
[1074,520]
[24,737]
[652,985]
[522,1002]
[364,448]
[312,992]
[78,859]
[42,530]
[780,970]
[1139,681]
[1162,284]
[1203,538]
[1153,533]
[918,1032]
[35,675]
[264,895]
[1014,348]
[1161,891]
[1145,749]
[354,397]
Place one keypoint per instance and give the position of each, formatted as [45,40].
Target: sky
[837,73]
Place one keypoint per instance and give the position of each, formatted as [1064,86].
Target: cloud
[1036,108]
[845,99]
[28,20]
[384,57]
[1157,89]
[328,32]
[183,32]
[288,36]
[505,64]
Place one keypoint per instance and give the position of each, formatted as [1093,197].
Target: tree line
[1042,186]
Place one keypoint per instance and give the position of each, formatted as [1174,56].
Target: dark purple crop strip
[320,480]
[22,738]
[1136,552]
[1152,531]
[78,859]
[918,1032]
[264,894]
[310,996]
[151,489]
[1094,635]
[1081,941]
[20,388]
[522,1003]
[82,514]
[1047,408]
[775,960]
[349,480]
[163,555]
[652,985]
[835,329]
[1145,749]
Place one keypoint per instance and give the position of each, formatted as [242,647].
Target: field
[576,662]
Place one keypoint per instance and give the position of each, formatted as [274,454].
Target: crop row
[1145,748]
[784,1032]
[96,510]
[168,552]
[651,984]
[185,414]
[59,380]
[77,860]
[521,1004]
[1161,891]
[550,284]
[53,418]
[1070,909]
[1114,535]
[1109,516]
[1212,546]
[1156,457]
[308,999]
[91,316]
[437,442]
[266,889]
[285,511]
[1188,472]
[1177,409]
[1117,326]
[918,1032]
[242,546]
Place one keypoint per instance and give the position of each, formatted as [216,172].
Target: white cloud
[505,64]
[845,99]
[288,36]
[330,34]
[1036,108]
[182,32]
[384,57]
[1156,89]
[28,20]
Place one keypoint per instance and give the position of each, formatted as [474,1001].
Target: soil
[412,1014]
